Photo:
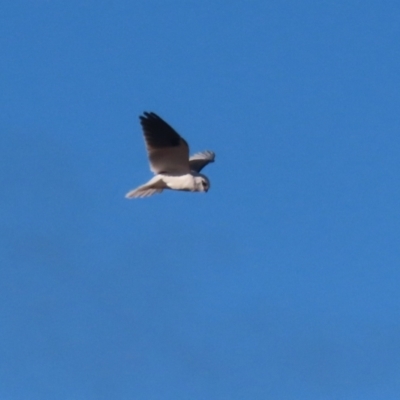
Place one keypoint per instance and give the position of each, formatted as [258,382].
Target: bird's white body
[169,160]
[192,182]
[180,182]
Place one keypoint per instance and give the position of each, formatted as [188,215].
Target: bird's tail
[155,185]
[142,191]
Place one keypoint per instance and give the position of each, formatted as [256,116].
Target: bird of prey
[169,159]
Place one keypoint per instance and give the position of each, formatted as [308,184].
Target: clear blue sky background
[282,282]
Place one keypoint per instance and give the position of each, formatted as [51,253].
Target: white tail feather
[142,192]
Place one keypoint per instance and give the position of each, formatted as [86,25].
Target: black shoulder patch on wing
[157,132]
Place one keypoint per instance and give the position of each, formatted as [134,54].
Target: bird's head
[202,183]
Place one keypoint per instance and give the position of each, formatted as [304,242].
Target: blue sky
[282,282]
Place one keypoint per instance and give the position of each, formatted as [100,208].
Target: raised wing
[167,151]
[199,160]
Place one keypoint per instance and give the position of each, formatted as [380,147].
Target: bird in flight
[169,159]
